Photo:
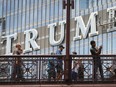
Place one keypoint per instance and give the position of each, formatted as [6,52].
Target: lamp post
[67,4]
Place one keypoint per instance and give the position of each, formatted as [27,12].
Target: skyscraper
[18,16]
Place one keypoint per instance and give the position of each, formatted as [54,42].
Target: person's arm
[19,51]
[99,51]
[96,52]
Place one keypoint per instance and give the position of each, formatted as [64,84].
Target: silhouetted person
[51,71]
[80,70]
[51,68]
[17,70]
[74,71]
[96,60]
[59,66]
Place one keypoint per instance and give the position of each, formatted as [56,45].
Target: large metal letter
[52,33]
[31,35]
[112,26]
[85,29]
[8,42]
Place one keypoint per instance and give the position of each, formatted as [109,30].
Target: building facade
[19,16]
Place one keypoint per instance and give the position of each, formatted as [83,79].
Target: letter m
[91,26]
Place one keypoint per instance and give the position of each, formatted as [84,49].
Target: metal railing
[44,69]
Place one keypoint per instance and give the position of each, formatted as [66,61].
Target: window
[16,4]
[84,4]
[99,2]
[104,1]
[8,6]
[96,2]
[91,3]
[77,7]
[4,3]
[0,8]
[12,5]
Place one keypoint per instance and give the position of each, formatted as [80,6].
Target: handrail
[32,55]
[93,55]
[111,55]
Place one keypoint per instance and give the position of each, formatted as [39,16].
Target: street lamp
[67,4]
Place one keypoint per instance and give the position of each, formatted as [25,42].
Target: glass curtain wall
[21,15]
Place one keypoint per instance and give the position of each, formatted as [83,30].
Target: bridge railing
[45,68]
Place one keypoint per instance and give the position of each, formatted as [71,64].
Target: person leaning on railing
[77,69]
[17,70]
[74,71]
[59,65]
[80,70]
